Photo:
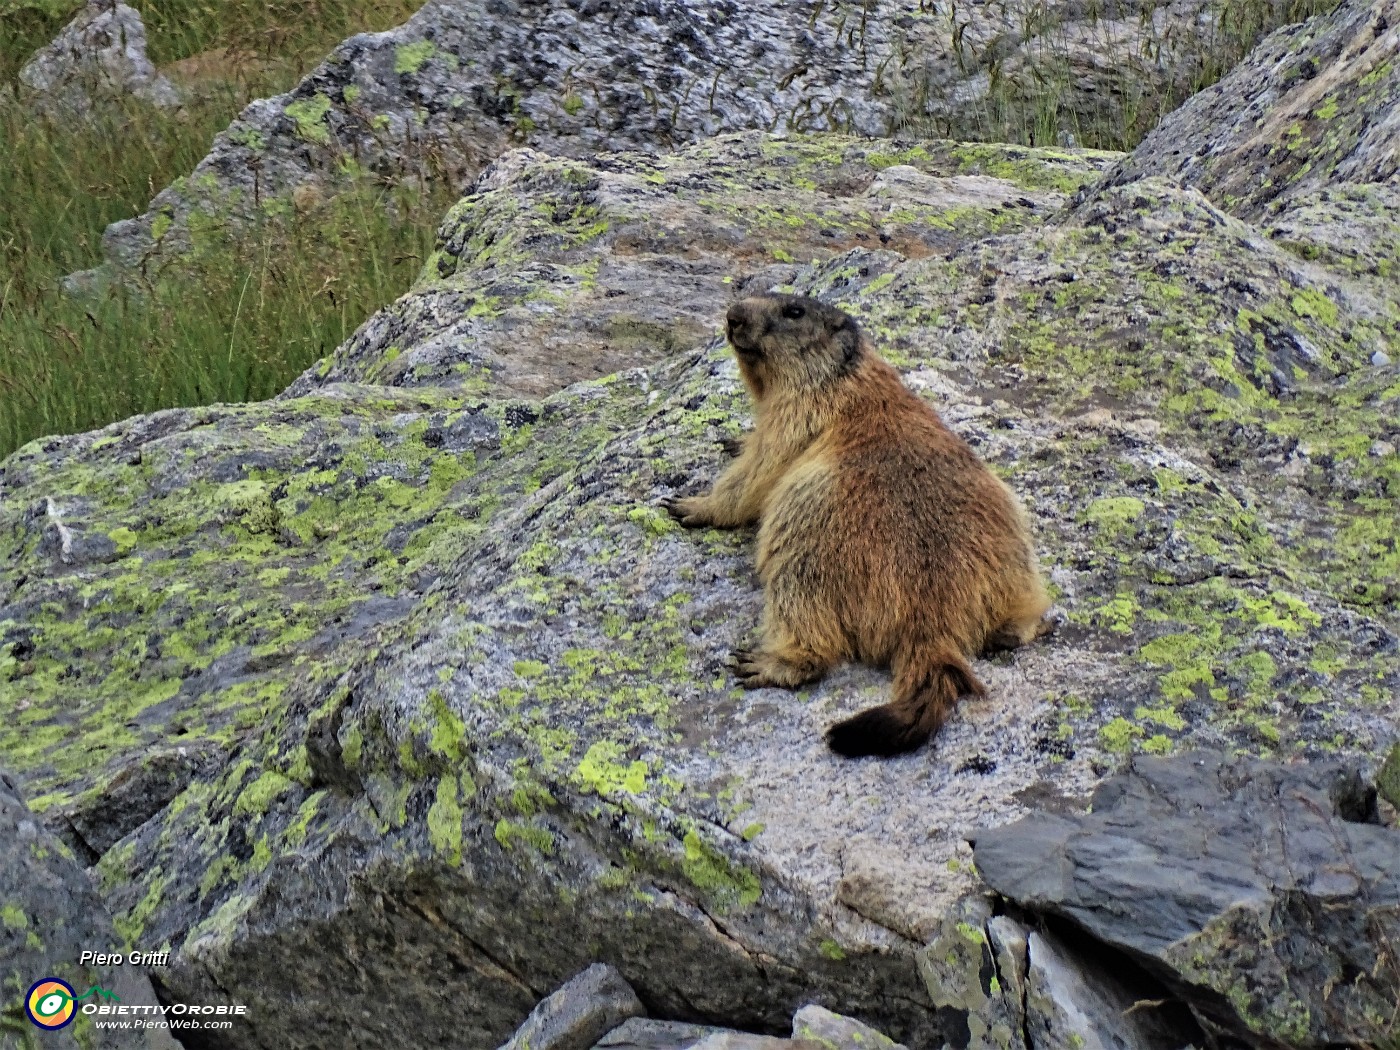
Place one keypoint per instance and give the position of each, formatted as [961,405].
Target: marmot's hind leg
[1013,636]
[801,638]
[1024,624]
[788,668]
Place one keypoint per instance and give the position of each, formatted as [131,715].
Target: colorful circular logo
[49,1003]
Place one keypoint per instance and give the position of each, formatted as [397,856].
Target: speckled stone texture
[463,80]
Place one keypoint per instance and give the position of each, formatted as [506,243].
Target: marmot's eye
[793,311]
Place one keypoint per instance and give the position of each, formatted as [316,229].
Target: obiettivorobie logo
[51,1003]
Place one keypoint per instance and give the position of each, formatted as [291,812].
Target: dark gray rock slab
[580,1013]
[50,913]
[1260,892]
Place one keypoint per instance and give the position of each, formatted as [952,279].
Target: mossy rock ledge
[402,690]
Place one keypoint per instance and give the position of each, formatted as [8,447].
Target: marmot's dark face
[794,339]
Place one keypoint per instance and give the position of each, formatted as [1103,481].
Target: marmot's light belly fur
[882,537]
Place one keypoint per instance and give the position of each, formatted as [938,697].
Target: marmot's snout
[742,326]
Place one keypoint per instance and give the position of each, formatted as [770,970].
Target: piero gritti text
[124,959]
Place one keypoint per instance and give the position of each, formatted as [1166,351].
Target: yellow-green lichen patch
[309,114]
[445,821]
[600,771]
[410,58]
[257,796]
[708,869]
[510,835]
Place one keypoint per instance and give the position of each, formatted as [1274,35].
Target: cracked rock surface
[1265,895]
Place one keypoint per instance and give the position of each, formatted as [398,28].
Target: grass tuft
[251,310]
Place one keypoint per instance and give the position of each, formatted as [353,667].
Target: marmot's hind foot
[1006,638]
[755,670]
[733,446]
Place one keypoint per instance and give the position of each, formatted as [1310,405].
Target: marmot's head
[791,340]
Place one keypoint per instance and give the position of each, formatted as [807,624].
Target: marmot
[882,537]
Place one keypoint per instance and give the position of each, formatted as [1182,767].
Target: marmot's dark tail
[925,691]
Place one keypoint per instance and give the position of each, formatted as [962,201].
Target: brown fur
[882,537]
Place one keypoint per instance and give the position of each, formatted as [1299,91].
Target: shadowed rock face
[1264,894]
[50,913]
[436,691]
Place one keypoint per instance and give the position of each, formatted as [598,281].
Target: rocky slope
[402,686]
[464,80]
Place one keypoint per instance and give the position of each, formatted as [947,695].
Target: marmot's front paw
[733,446]
[688,510]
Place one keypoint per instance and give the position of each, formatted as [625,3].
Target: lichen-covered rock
[580,1013]
[554,271]
[102,52]
[1313,108]
[1258,892]
[463,80]
[50,913]
[465,679]
[831,1031]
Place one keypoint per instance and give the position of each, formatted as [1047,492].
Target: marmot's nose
[737,319]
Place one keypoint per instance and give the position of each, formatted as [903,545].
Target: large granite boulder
[1265,895]
[463,80]
[403,687]
[100,54]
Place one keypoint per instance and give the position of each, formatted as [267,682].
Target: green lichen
[257,796]
[310,116]
[445,821]
[508,834]
[1116,513]
[708,869]
[832,950]
[410,58]
[602,774]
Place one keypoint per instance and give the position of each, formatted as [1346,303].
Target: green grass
[252,310]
